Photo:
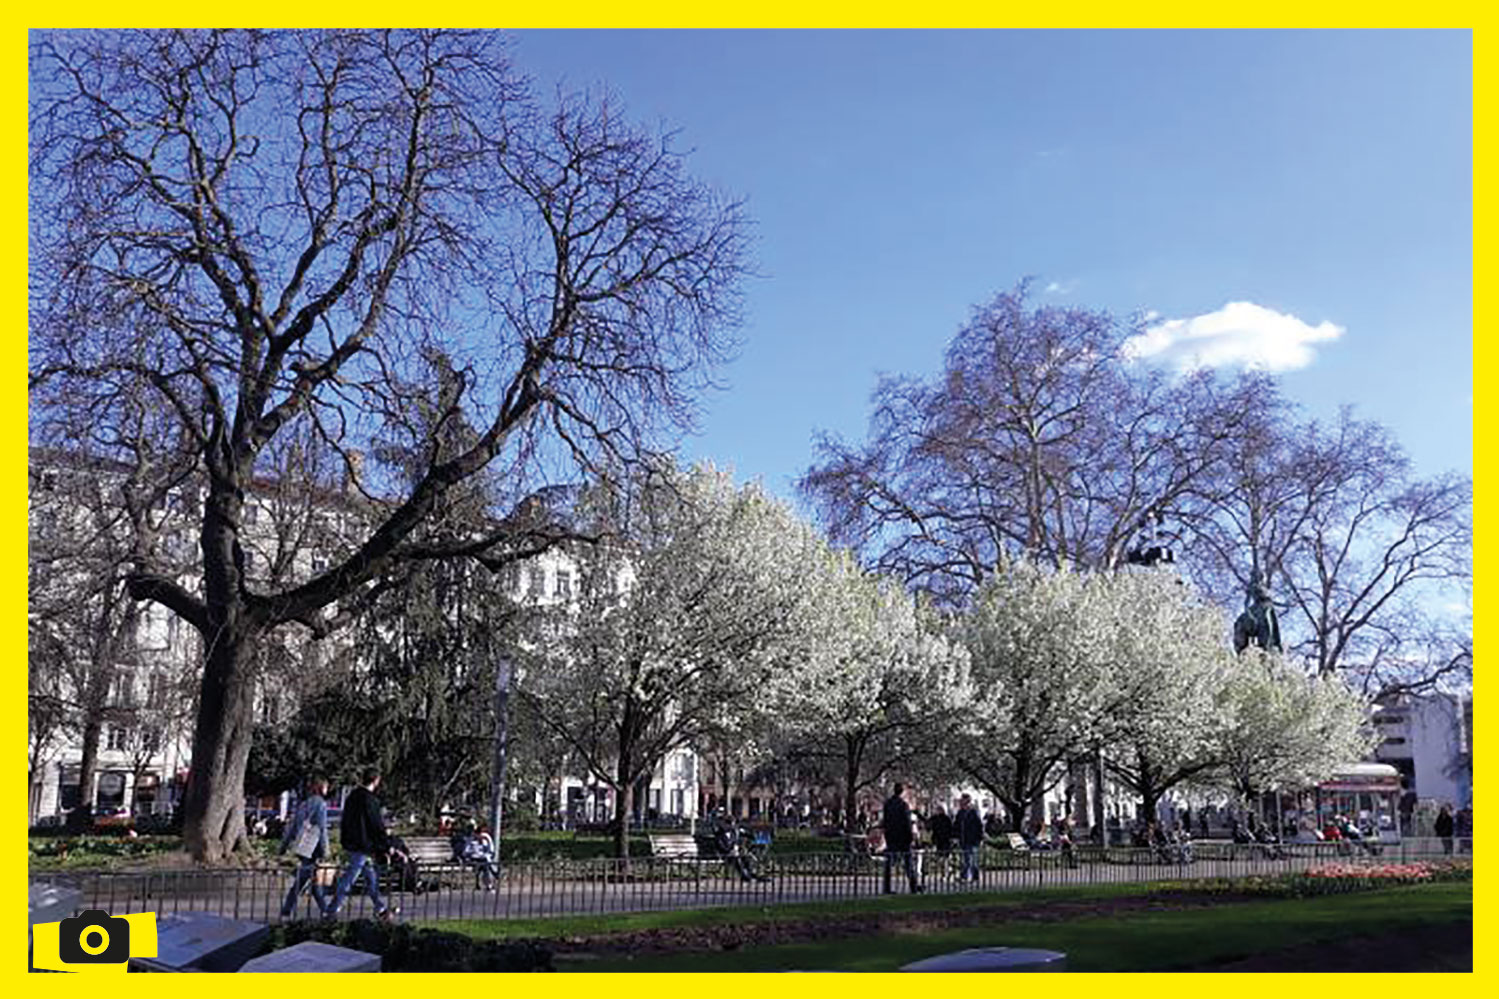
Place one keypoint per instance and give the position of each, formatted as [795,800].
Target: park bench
[681,846]
[430,850]
[1016,847]
[434,853]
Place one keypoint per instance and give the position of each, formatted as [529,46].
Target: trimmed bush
[406,948]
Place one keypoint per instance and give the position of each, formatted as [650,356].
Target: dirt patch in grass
[676,940]
[1447,947]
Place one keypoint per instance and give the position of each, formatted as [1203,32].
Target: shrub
[99,846]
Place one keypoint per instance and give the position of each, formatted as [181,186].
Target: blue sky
[898,179]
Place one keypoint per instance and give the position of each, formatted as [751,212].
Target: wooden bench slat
[429,849]
[679,846]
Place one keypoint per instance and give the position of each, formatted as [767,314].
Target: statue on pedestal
[1153,545]
[1257,624]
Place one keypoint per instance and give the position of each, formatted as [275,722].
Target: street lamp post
[497,775]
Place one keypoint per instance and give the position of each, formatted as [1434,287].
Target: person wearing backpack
[307,837]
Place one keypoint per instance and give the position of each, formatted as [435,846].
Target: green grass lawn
[571,926]
[1135,941]
[1138,941]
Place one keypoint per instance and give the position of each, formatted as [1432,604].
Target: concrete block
[309,955]
[201,941]
[993,959]
[49,903]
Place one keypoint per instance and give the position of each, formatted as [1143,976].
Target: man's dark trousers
[908,859]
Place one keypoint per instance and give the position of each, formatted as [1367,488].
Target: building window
[156,689]
[536,582]
[564,583]
[115,738]
[122,689]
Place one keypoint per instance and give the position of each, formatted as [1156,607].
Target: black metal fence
[645,884]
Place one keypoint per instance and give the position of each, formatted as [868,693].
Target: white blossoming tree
[1040,646]
[676,634]
[878,691]
[1170,665]
[1285,729]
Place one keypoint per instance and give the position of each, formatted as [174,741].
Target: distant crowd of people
[897,833]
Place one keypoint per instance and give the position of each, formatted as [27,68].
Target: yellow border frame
[13,540]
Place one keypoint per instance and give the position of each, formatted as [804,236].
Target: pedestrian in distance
[306,836]
[940,827]
[1444,826]
[896,823]
[968,829]
[365,838]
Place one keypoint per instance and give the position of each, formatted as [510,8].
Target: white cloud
[1060,287]
[1241,334]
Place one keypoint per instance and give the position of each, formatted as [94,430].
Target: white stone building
[154,681]
[1428,738]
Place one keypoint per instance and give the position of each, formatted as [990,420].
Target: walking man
[1444,826]
[969,829]
[942,838]
[896,824]
[364,837]
[307,836]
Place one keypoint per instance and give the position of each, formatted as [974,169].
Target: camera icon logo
[93,940]
[93,937]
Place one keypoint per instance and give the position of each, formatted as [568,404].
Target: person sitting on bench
[730,843]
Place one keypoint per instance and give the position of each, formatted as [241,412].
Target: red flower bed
[1387,872]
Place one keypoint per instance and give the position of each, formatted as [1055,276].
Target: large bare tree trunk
[213,803]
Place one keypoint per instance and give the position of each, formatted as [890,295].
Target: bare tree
[101,501]
[1043,437]
[49,711]
[1038,437]
[270,230]
[1361,553]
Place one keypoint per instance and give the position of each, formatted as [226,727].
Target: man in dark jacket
[896,824]
[942,836]
[363,835]
[969,829]
[1444,828]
